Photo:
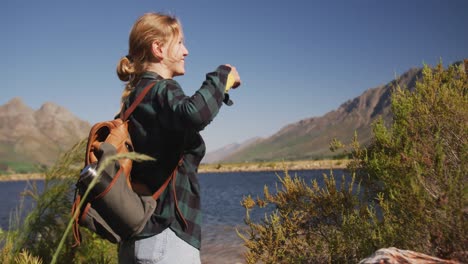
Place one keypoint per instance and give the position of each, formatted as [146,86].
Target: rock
[397,256]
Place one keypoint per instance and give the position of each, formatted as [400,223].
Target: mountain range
[31,136]
[40,136]
[310,138]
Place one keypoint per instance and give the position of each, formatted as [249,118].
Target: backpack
[115,208]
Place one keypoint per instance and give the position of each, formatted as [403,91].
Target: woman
[166,126]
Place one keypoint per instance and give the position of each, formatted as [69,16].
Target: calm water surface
[221,195]
[11,198]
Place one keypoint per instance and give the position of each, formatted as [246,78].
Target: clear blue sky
[297,59]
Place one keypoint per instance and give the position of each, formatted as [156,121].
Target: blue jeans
[163,248]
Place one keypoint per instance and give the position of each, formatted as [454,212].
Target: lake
[221,197]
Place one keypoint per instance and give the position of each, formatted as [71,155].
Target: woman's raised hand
[235,74]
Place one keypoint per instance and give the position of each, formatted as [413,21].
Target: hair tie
[129,58]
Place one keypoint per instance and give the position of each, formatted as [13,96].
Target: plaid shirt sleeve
[198,110]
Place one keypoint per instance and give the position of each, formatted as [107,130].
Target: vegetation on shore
[20,167]
[38,236]
[408,190]
[274,165]
[22,176]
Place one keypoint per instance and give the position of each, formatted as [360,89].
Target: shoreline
[226,167]
[273,166]
[22,177]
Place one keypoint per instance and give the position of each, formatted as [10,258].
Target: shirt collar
[150,75]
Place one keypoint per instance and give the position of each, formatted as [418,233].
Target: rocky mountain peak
[16,101]
[38,136]
[51,112]
[15,106]
[49,107]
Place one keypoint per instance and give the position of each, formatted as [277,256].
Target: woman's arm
[200,109]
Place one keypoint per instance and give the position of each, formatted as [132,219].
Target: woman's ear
[156,49]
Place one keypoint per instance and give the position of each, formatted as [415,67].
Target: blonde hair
[147,29]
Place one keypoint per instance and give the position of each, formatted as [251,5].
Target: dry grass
[274,166]
[22,177]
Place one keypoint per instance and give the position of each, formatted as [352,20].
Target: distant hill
[310,138]
[221,153]
[30,136]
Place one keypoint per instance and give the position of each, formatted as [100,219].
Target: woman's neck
[160,69]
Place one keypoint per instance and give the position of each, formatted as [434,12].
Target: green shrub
[42,229]
[420,163]
[312,224]
[413,177]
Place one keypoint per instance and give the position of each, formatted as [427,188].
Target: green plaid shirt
[166,126]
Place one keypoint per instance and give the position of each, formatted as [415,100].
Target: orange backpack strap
[166,183]
[164,186]
[125,115]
